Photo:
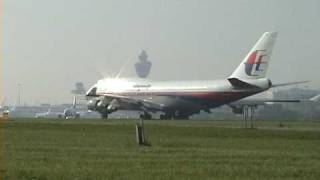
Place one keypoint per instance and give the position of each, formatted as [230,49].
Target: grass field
[97,149]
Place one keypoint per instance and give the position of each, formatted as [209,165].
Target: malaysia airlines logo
[253,64]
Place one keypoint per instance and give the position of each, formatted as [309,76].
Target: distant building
[143,66]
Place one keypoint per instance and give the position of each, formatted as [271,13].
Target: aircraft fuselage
[175,95]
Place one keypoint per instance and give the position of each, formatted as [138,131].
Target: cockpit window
[92,91]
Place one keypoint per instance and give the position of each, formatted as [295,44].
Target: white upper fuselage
[123,86]
[141,86]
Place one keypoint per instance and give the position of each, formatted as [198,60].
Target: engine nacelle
[103,105]
[92,104]
[113,106]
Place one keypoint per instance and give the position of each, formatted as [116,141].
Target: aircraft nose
[92,91]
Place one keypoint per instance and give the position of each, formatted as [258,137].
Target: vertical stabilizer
[255,64]
[74,103]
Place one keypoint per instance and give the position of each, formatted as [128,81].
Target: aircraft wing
[142,103]
[315,98]
[262,101]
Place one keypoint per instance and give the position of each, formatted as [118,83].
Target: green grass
[96,149]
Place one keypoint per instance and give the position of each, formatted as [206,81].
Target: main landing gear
[104,114]
[248,114]
[174,115]
[146,115]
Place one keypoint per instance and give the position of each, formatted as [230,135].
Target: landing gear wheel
[104,115]
[166,116]
[181,116]
[162,117]
[146,116]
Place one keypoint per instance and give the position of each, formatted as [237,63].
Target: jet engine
[92,104]
[113,106]
[103,105]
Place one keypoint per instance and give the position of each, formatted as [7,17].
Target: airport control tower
[143,66]
[79,89]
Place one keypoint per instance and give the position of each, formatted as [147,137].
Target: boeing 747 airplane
[181,99]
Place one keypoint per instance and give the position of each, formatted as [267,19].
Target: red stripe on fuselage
[203,96]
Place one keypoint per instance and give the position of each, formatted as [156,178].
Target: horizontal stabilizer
[289,84]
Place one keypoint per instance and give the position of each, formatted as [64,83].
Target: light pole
[19,94]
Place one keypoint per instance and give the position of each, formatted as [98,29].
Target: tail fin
[255,64]
[74,103]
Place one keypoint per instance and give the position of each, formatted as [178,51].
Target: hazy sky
[51,44]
